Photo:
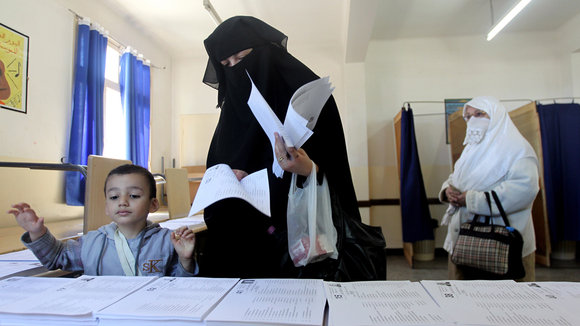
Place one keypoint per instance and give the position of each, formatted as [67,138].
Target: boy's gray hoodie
[95,253]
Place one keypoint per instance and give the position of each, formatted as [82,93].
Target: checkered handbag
[489,251]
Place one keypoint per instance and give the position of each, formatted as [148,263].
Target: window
[115,135]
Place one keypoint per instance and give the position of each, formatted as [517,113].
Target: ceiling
[347,23]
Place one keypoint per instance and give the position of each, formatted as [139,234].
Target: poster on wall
[452,106]
[13,69]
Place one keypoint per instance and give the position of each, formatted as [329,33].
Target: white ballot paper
[301,117]
[189,221]
[564,295]
[27,288]
[22,255]
[381,303]
[187,299]
[271,302]
[495,303]
[220,182]
[73,302]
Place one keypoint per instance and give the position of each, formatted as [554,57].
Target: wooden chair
[178,195]
[98,167]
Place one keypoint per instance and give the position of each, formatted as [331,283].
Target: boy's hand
[27,219]
[183,240]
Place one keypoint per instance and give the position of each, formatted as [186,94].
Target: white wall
[42,134]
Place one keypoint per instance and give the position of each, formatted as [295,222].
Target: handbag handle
[500,208]
[487,218]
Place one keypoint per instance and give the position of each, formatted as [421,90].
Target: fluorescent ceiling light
[507,18]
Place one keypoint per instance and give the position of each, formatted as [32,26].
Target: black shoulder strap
[488,218]
[500,208]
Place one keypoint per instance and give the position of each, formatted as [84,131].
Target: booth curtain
[135,83]
[86,134]
[416,218]
[560,130]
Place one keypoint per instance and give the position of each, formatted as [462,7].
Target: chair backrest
[177,188]
[98,167]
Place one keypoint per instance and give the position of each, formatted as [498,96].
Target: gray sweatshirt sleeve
[55,254]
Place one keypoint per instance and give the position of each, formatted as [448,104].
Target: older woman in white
[496,157]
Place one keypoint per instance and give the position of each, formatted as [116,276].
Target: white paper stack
[382,303]
[168,301]
[189,221]
[271,302]
[70,303]
[19,263]
[496,303]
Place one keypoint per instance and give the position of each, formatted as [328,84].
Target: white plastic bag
[309,219]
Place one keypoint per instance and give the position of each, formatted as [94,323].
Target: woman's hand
[240,174]
[28,220]
[291,159]
[455,197]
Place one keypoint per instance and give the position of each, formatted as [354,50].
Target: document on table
[77,300]
[27,288]
[495,303]
[564,295]
[271,302]
[13,267]
[220,182]
[169,298]
[189,221]
[381,303]
[21,255]
[301,116]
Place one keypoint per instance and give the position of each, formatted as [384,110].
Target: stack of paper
[301,117]
[168,301]
[496,303]
[381,303]
[271,302]
[74,302]
[27,288]
[189,221]
[21,263]
[564,295]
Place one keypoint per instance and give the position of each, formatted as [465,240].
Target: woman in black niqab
[241,241]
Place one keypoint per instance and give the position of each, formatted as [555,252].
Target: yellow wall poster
[13,69]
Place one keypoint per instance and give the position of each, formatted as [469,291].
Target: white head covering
[485,163]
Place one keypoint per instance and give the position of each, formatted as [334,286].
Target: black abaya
[242,242]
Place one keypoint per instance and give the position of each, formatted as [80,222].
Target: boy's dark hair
[130,169]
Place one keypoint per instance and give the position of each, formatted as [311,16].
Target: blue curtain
[560,130]
[135,82]
[417,222]
[86,134]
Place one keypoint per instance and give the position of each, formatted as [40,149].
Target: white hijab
[485,163]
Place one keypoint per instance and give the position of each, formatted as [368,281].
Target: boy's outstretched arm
[183,240]
[28,220]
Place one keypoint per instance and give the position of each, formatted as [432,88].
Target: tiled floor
[398,269]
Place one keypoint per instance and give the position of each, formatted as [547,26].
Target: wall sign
[13,69]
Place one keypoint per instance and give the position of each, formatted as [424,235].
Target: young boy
[130,245]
